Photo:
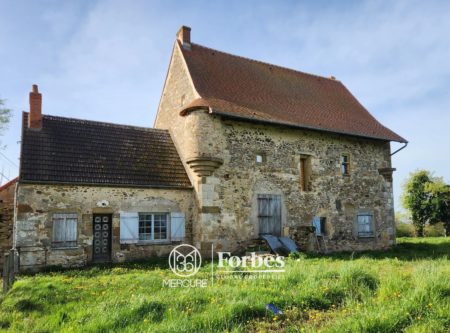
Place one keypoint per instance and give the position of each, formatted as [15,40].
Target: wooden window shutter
[302,174]
[129,227]
[177,226]
[59,224]
[71,229]
[316,224]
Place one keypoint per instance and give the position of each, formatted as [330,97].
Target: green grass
[406,289]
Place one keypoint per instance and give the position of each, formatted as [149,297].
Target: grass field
[405,289]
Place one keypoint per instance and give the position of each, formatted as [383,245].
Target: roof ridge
[268,64]
[103,123]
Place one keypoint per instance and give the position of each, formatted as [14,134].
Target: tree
[439,200]
[5,115]
[416,199]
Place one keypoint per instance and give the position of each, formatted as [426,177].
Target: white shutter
[129,227]
[71,230]
[177,226]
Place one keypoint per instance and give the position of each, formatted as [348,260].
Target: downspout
[395,152]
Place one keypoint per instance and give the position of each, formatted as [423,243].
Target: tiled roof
[240,87]
[69,150]
[8,184]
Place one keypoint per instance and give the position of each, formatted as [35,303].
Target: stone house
[6,217]
[239,148]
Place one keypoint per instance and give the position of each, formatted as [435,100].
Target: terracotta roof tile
[241,87]
[8,184]
[70,150]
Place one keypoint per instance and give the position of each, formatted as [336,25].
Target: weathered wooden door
[101,248]
[269,214]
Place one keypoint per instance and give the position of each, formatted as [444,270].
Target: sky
[107,60]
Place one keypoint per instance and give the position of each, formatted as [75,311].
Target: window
[365,225]
[320,225]
[153,226]
[65,230]
[305,172]
[323,226]
[260,158]
[345,165]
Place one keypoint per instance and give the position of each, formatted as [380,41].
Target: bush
[436,230]
[405,230]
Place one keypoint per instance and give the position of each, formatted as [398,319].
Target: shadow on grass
[96,269]
[406,250]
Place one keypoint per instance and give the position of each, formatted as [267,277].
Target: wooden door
[269,214]
[101,247]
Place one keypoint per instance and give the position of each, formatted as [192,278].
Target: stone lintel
[210,210]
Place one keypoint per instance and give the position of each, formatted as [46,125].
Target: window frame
[152,226]
[305,171]
[323,226]
[345,164]
[268,215]
[64,216]
[370,223]
[263,157]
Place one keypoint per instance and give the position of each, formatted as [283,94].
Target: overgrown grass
[405,289]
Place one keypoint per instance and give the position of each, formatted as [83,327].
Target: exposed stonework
[37,203]
[227,199]
[233,187]
[301,168]
[6,217]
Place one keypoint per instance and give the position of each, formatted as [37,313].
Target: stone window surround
[260,157]
[348,164]
[365,211]
[305,171]
[55,245]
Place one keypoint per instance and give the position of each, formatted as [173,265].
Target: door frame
[108,259]
[281,212]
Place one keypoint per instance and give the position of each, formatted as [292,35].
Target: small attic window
[260,158]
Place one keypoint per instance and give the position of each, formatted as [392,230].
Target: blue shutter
[177,226]
[129,228]
[316,224]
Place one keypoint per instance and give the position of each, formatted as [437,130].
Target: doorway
[269,214]
[101,245]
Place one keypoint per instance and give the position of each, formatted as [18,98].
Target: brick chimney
[35,116]
[184,36]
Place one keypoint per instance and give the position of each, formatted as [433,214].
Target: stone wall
[227,207]
[227,199]
[6,218]
[37,203]
[332,195]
